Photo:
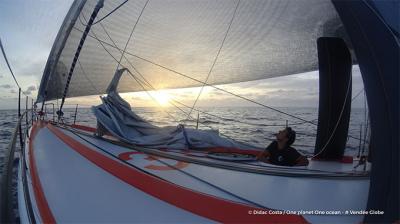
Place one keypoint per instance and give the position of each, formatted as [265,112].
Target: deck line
[196,202]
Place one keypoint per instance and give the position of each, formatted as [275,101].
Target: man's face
[282,135]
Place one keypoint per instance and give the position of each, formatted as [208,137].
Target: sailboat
[128,170]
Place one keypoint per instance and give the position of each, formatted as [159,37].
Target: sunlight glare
[161,97]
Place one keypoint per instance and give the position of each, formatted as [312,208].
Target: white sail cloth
[175,43]
[116,116]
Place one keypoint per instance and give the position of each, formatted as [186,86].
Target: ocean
[252,125]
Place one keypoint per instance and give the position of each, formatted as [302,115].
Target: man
[280,153]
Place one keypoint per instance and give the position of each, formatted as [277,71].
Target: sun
[162,98]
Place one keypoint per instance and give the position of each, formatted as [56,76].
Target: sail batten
[267,39]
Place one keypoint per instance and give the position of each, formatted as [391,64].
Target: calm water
[256,126]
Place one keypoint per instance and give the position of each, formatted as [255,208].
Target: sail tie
[182,127]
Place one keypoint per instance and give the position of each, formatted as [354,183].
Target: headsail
[180,40]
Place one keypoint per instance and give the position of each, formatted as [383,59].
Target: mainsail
[181,43]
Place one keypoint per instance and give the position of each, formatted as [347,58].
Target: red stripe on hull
[198,203]
[44,209]
[84,128]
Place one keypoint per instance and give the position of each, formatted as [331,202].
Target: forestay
[247,40]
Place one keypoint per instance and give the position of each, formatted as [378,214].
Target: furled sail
[185,43]
[116,117]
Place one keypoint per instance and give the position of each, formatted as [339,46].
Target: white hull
[86,179]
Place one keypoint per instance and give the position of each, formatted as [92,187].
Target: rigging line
[128,69]
[101,42]
[357,95]
[223,118]
[145,82]
[338,120]
[151,152]
[184,112]
[154,89]
[216,58]
[366,115]
[226,136]
[99,20]
[194,119]
[308,135]
[130,36]
[222,90]
[169,165]
[11,71]
[134,68]
[74,131]
[211,184]
[350,136]
[151,96]
[87,78]
[129,62]
[111,12]
[149,85]
[213,86]
[8,64]
[94,34]
[199,81]
[96,10]
[237,141]
[137,80]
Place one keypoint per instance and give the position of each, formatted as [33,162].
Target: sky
[28,29]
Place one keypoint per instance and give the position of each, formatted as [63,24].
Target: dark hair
[291,136]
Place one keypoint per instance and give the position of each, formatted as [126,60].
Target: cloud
[13,91]
[29,90]
[6,86]
[1,76]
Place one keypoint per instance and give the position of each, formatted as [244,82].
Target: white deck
[79,191]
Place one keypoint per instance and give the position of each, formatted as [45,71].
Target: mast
[377,50]
[334,98]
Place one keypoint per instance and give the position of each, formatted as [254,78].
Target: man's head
[287,136]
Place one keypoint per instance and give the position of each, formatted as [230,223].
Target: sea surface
[252,125]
